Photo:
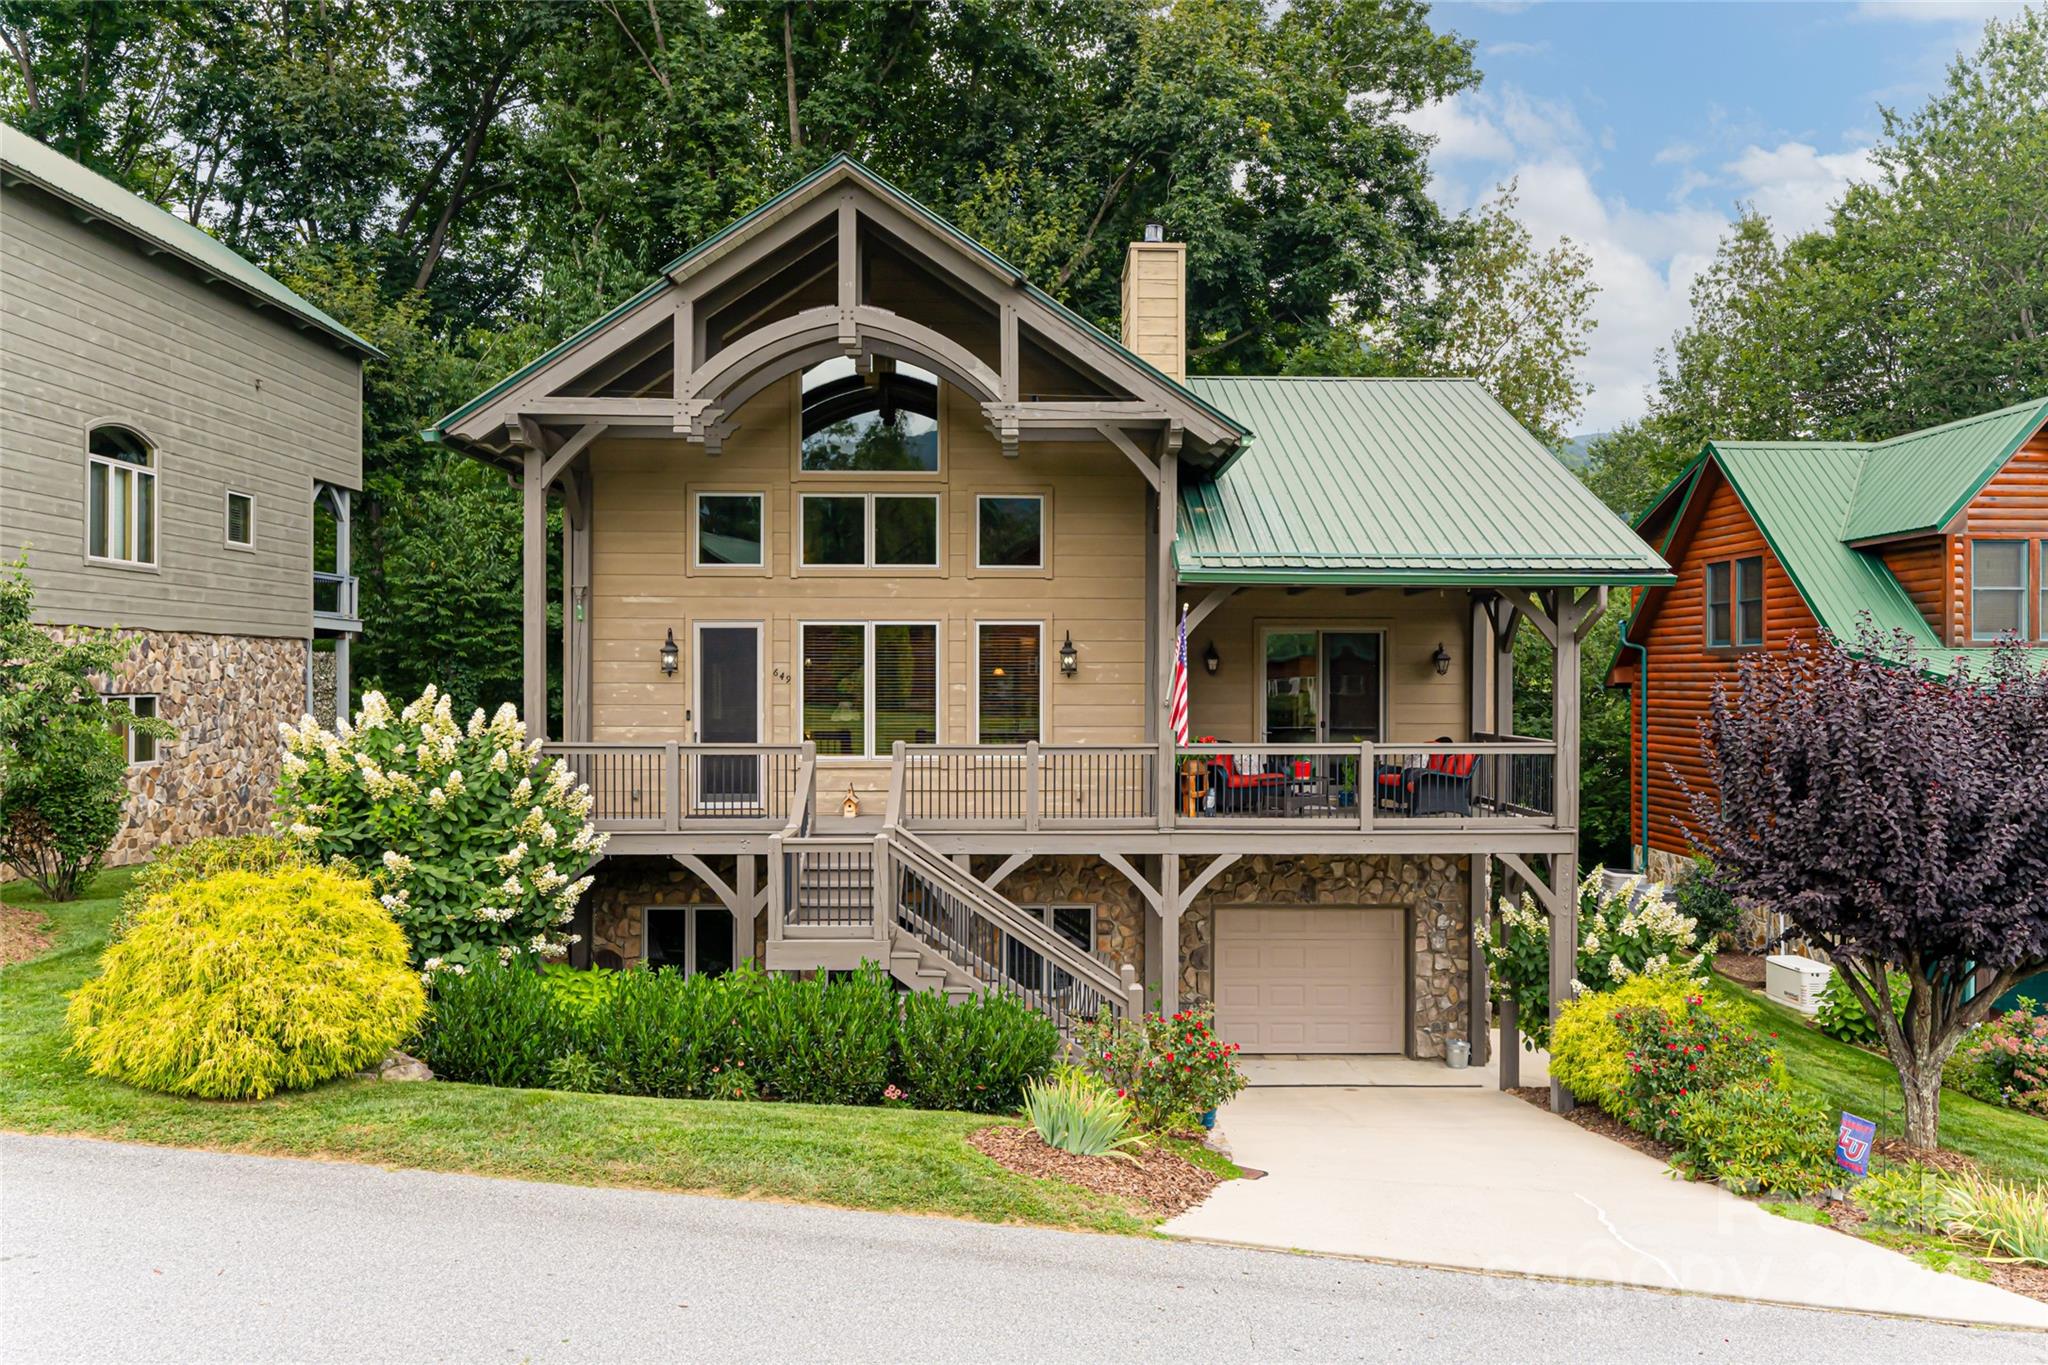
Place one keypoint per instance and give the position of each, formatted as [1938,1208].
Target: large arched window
[884,421]
[120,495]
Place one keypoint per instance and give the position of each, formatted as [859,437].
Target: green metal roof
[1395,481]
[1918,482]
[1801,494]
[837,164]
[96,197]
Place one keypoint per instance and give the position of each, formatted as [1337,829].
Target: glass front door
[729,712]
[1322,686]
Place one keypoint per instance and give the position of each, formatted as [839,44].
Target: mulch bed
[24,933]
[1158,1179]
[1745,969]
[1899,1151]
[1594,1119]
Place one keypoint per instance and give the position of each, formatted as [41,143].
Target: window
[882,422]
[1735,602]
[1010,532]
[241,521]
[141,747]
[120,516]
[1998,588]
[867,685]
[1074,923]
[1006,693]
[1322,686]
[870,530]
[689,940]
[729,529]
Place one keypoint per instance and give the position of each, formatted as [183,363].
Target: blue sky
[1637,129]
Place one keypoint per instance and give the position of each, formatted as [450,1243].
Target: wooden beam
[550,408]
[1480,1031]
[1008,865]
[1010,353]
[1163,626]
[726,895]
[1138,458]
[1589,613]
[1533,609]
[1204,877]
[558,459]
[1479,651]
[1145,888]
[1359,590]
[533,544]
[1169,935]
[1215,598]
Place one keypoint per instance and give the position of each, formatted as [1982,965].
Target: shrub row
[741,1035]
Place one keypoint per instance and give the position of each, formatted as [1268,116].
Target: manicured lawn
[2004,1141]
[885,1159]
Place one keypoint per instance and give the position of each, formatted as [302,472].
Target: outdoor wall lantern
[1442,659]
[1070,658]
[1211,660]
[668,654]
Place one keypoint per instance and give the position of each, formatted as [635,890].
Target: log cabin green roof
[1421,481]
[93,197]
[1814,501]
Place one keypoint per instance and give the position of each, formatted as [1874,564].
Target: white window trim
[867,497]
[1033,568]
[1044,634]
[698,564]
[2019,590]
[128,737]
[867,679]
[227,503]
[154,469]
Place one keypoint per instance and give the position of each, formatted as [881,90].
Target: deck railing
[1489,780]
[1366,786]
[1025,786]
[672,787]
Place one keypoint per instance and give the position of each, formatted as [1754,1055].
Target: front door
[728,676]
[1322,686]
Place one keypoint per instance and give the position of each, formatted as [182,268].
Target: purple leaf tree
[1896,820]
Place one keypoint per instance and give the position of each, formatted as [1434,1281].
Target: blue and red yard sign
[1852,1144]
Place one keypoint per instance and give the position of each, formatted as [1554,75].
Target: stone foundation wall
[1432,889]
[625,886]
[1669,868]
[1120,911]
[227,694]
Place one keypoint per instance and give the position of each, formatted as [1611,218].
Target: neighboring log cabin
[1939,534]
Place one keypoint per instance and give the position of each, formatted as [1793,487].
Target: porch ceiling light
[668,654]
[1442,659]
[1211,660]
[1070,658]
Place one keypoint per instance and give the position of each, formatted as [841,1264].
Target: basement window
[140,748]
[883,421]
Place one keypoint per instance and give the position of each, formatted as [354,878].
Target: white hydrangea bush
[476,843]
[1633,930]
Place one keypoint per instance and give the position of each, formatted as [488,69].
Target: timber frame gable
[841,264]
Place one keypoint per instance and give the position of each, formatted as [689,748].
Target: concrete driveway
[1473,1178]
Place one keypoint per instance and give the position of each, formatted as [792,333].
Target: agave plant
[1077,1113]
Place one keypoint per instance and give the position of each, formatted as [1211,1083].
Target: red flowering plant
[2005,1061]
[1173,1068]
[1671,1059]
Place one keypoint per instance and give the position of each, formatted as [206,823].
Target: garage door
[1310,980]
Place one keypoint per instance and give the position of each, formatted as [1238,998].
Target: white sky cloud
[1644,258]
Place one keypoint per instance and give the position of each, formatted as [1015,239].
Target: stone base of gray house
[227,694]
[626,887]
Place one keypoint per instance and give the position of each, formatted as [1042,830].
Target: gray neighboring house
[178,431]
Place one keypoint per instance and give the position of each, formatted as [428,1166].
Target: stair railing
[781,888]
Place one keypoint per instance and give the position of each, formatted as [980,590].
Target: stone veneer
[626,886]
[227,694]
[1120,911]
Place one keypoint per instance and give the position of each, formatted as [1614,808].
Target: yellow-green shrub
[1587,1051]
[203,858]
[242,984]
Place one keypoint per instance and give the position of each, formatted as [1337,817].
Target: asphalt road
[120,1253]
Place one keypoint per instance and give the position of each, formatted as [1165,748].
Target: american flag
[1180,683]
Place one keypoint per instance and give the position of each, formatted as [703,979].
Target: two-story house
[876,563]
[1940,535]
[178,432]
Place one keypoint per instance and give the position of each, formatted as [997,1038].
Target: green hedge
[741,1035]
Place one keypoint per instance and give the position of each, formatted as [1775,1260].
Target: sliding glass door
[1322,686]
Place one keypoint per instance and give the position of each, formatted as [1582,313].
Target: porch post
[1562,894]
[1477,870]
[1504,677]
[1564,700]
[743,924]
[1479,654]
[1164,601]
[344,565]
[1169,930]
[533,544]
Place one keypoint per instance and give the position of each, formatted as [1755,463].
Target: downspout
[1642,849]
